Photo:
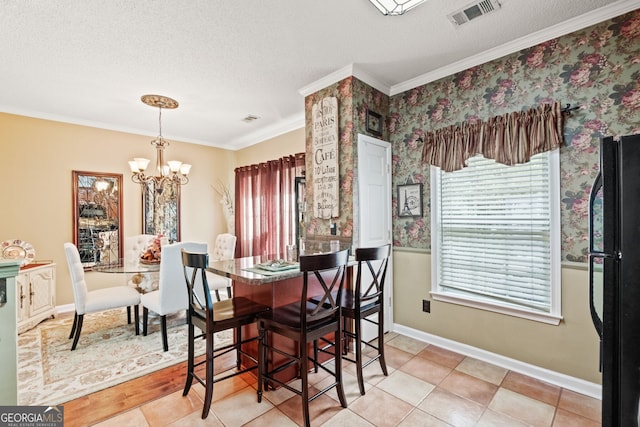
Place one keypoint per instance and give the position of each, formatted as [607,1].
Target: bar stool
[210,318]
[304,322]
[365,300]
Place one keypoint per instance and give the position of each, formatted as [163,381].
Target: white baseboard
[575,384]
[65,308]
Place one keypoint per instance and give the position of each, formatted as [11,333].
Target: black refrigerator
[614,276]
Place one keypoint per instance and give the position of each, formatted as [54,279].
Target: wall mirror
[161,209]
[97,217]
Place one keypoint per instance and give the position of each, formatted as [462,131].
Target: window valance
[508,139]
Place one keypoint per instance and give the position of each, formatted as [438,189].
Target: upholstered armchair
[225,248]
[171,295]
[86,301]
[134,246]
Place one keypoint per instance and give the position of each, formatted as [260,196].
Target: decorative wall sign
[410,200]
[326,176]
[374,123]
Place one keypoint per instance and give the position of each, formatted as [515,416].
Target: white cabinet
[35,294]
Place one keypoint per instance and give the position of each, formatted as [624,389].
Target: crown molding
[561,29]
[289,124]
[350,70]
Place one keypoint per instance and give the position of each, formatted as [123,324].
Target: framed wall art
[97,217]
[410,200]
[374,123]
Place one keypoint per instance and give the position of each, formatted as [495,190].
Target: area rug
[107,354]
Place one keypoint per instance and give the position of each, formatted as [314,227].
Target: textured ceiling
[89,61]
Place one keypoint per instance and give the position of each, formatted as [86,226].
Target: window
[496,236]
[265,215]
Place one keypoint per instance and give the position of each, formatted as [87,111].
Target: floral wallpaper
[597,69]
[354,98]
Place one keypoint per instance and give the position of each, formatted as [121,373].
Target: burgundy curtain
[265,206]
[509,139]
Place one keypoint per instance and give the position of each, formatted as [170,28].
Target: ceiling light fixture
[173,171]
[395,7]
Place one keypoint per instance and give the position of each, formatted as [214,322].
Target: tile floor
[426,386]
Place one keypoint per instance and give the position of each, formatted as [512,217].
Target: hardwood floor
[89,409]
[95,407]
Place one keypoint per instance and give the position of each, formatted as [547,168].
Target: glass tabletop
[127,266]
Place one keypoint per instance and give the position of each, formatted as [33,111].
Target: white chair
[171,295]
[98,300]
[134,246]
[225,248]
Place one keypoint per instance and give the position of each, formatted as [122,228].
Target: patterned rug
[107,354]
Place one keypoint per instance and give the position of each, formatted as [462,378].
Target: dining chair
[365,300]
[134,246]
[211,317]
[306,321]
[224,248]
[170,296]
[97,300]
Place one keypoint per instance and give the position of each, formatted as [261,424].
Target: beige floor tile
[321,409]
[470,387]
[372,374]
[134,418]
[406,387]
[170,408]
[194,419]
[522,408]
[272,418]
[381,408]
[483,370]
[569,419]
[441,356]
[281,394]
[347,418]
[495,419]
[452,409]
[426,370]
[349,385]
[427,386]
[532,388]
[582,405]
[221,389]
[396,357]
[418,418]
[240,407]
[404,343]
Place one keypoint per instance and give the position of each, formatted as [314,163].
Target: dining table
[138,272]
[260,279]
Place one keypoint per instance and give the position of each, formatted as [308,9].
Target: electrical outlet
[426,306]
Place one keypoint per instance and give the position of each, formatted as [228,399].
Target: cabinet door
[41,291]
[22,297]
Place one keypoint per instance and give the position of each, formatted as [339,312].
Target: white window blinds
[494,233]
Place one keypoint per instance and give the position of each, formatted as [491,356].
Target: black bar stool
[304,322]
[210,318]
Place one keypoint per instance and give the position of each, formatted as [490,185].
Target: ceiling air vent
[250,118]
[473,11]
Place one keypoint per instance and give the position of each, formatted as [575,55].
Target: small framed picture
[410,200]
[374,123]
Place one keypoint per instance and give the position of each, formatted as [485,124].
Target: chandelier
[395,7]
[174,171]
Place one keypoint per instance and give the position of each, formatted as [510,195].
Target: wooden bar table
[273,289]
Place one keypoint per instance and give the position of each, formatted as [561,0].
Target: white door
[374,212]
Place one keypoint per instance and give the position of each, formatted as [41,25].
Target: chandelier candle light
[173,171]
